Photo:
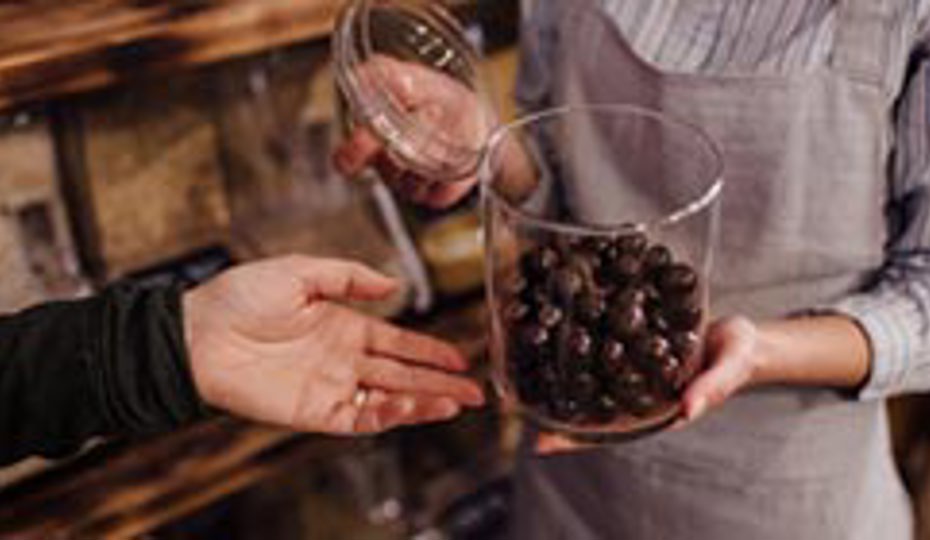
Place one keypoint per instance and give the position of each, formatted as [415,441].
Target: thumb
[333,279]
[729,344]
[357,152]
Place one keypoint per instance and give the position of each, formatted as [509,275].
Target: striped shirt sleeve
[895,311]
[537,55]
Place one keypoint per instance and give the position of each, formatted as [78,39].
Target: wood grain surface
[144,180]
[52,47]
[135,488]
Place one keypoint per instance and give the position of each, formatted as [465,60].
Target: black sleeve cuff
[115,364]
[141,374]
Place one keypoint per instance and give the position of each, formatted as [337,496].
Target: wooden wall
[54,47]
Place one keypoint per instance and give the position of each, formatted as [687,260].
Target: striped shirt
[744,36]
[781,37]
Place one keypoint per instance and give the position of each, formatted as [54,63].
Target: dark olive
[568,283]
[535,296]
[669,369]
[589,261]
[652,294]
[550,316]
[580,343]
[677,279]
[516,311]
[657,257]
[684,344]
[642,404]
[585,387]
[613,355]
[540,261]
[625,268]
[567,245]
[549,377]
[534,336]
[631,380]
[657,319]
[524,360]
[685,318]
[628,297]
[563,408]
[591,306]
[606,408]
[627,322]
[596,244]
[653,347]
[631,243]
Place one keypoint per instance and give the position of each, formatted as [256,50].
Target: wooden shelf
[122,492]
[50,48]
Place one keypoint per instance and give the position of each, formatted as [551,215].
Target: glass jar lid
[409,73]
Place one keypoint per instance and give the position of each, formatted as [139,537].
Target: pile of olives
[600,327]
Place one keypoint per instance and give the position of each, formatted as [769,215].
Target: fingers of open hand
[333,279]
[730,345]
[392,375]
[384,339]
[387,410]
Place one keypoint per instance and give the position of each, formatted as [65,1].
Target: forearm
[829,351]
[47,401]
[114,364]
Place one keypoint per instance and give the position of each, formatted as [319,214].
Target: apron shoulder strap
[864,39]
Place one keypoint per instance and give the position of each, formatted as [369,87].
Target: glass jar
[600,229]
[409,74]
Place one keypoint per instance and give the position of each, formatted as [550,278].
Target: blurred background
[166,141]
[161,141]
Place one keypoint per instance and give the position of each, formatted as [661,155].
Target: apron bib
[802,224]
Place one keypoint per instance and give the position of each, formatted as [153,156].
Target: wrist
[764,361]
[828,351]
[190,310]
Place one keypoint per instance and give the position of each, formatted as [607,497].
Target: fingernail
[406,405]
[452,410]
[390,284]
[455,359]
[698,408]
[478,398]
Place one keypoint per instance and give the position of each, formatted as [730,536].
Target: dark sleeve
[114,364]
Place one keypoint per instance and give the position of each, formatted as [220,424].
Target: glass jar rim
[396,119]
[707,197]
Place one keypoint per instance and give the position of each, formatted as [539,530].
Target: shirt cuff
[889,344]
[142,368]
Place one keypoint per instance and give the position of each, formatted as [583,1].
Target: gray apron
[803,154]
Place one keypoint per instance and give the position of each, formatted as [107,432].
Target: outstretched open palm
[268,341]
